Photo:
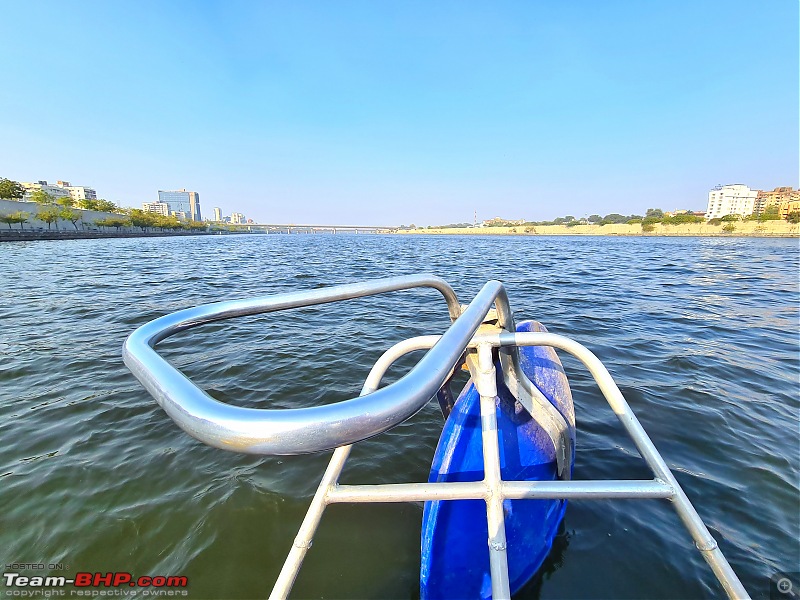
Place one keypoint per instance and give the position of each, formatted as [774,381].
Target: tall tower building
[182,201]
[217,214]
[194,206]
[732,199]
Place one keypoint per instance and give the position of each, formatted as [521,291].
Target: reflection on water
[701,335]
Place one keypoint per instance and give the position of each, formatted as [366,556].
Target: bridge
[294,228]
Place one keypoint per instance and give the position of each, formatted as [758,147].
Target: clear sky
[402,112]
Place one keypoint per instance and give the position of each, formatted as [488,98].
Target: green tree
[116,222]
[681,219]
[654,212]
[73,216]
[771,213]
[170,222]
[614,218]
[87,204]
[8,219]
[730,218]
[21,217]
[142,219]
[49,215]
[594,218]
[107,206]
[41,197]
[793,217]
[66,201]
[729,227]
[10,190]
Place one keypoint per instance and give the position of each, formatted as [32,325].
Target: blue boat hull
[455,557]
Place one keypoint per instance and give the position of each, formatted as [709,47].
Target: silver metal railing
[304,430]
[378,409]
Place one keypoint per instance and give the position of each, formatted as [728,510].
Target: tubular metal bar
[510,490]
[298,431]
[302,542]
[486,383]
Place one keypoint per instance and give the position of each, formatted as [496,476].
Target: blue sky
[393,113]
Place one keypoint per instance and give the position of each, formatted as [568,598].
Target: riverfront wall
[29,236]
[12,206]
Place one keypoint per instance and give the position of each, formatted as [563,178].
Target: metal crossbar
[338,426]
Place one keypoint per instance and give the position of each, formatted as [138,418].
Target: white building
[161,208]
[732,199]
[54,190]
[78,192]
[237,218]
[217,214]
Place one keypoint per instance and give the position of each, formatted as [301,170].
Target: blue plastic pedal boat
[455,561]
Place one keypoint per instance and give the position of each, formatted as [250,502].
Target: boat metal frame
[376,409]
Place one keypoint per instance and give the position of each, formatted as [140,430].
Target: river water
[701,335]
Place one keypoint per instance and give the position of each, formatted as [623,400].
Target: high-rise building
[237,218]
[217,214]
[182,201]
[733,199]
[194,206]
[161,208]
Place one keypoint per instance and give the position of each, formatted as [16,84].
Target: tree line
[652,217]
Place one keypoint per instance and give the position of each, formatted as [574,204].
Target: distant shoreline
[741,229]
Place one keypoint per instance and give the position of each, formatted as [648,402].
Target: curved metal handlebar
[314,429]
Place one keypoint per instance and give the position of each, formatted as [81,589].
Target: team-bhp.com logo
[89,583]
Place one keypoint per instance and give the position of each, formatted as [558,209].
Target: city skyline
[185,204]
[417,113]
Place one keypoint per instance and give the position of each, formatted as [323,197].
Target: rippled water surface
[701,335]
